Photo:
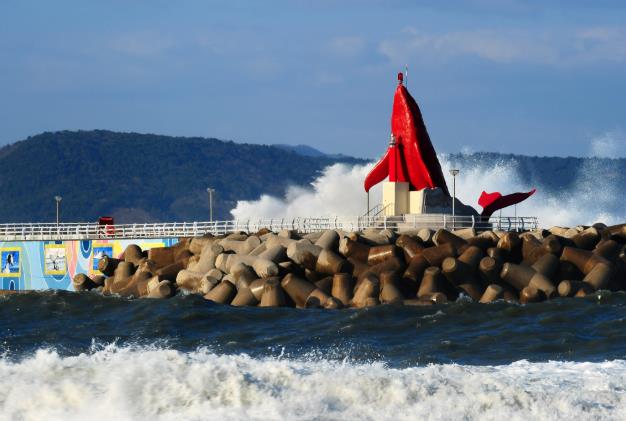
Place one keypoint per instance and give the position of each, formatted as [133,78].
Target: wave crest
[151,383]
[338,192]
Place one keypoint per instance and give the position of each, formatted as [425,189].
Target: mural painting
[53,264]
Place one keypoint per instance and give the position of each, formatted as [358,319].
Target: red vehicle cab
[106,225]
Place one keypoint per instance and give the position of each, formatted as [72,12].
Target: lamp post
[58,200]
[210,191]
[454,173]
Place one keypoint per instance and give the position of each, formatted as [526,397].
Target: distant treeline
[554,174]
[143,177]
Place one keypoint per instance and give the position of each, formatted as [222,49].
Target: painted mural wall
[53,264]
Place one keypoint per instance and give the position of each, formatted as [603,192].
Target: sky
[514,76]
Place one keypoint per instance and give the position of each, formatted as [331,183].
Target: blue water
[187,358]
[589,329]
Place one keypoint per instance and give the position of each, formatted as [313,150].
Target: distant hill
[553,174]
[306,150]
[142,177]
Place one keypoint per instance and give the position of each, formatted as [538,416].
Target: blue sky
[519,76]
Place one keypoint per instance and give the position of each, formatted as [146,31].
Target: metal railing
[93,231]
[377,210]
[505,223]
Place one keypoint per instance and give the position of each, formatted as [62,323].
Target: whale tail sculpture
[410,157]
[492,202]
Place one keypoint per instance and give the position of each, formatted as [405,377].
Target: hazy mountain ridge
[553,174]
[306,150]
[144,177]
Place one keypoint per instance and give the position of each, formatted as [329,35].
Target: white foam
[339,192]
[156,384]
[591,199]
[610,144]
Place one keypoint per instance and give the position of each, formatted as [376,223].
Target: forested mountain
[553,174]
[144,177]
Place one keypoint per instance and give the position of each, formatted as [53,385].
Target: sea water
[69,356]
[76,356]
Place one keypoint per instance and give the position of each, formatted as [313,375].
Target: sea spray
[163,384]
[338,192]
[590,198]
[610,144]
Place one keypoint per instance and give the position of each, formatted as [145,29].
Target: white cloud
[347,46]
[327,78]
[498,46]
[141,44]
[262,67]
[563,47]
[602,43]
[600,33]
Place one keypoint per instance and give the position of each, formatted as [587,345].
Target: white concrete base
[398,200]
[416,202]
[395,198]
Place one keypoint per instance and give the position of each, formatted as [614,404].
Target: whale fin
[486,199]
[378,173]
[492,202]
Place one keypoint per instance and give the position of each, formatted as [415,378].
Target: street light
[210,191]
[454,173]
[58,200]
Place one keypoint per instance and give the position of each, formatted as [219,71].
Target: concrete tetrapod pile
[334,269]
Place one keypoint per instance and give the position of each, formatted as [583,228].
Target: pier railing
[94,231]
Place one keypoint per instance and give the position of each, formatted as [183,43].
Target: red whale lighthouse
[410,163]
[415,180]
[411,157]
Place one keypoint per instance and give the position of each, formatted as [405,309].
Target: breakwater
[333,269]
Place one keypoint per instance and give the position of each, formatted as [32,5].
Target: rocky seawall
[334,269]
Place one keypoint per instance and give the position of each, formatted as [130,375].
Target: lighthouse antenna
[406,76]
